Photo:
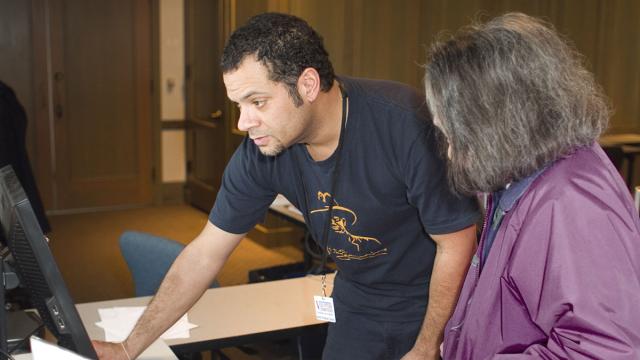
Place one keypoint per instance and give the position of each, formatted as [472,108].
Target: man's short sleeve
[245,192]
[441,210]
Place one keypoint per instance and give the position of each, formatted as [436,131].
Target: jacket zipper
[488,211]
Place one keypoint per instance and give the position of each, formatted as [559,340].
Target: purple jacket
[562,277]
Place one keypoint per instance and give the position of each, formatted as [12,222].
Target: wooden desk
[156,351]
[235,315]
[620,139]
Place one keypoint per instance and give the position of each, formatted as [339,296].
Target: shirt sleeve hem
[452,227]
[228,227]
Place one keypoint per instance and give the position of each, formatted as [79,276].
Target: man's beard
[272,150]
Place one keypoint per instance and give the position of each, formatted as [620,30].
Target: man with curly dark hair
[357,157]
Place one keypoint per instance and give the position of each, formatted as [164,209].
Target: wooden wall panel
[244,9]
[97,110]
[387,39]
[334,32]
[493,8]
[619,62]
[583,31]
[383,24]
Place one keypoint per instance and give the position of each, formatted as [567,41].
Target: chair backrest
[149,258]
[615,154]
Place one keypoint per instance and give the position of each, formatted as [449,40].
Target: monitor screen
[37,269]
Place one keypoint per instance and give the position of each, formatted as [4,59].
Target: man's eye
[258,103]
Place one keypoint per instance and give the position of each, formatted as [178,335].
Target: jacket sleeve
[576,271]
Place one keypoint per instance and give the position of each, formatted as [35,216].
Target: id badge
[324,308]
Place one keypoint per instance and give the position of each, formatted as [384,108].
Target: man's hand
[109,351]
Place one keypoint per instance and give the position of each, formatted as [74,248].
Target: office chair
[615,154]
[149,258]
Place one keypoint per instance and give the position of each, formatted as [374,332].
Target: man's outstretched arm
[189,276]
[453,256]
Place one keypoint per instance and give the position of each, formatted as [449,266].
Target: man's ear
[309,84]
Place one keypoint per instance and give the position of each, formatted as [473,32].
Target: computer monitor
[37,269]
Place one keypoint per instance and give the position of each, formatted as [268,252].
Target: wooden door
[100,56]
[206,116]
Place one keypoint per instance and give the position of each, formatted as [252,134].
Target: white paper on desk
[294,209]
[42,350]
[118,322]
[280,200]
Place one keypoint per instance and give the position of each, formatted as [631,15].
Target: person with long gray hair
[557,271]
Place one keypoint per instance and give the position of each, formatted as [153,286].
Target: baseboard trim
[172,193]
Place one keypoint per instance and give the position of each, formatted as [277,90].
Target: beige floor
[86,248]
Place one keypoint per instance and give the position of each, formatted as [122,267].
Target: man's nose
[247,120]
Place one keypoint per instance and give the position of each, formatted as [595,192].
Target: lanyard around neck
[334,181]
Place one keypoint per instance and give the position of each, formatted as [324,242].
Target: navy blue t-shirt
[391,193]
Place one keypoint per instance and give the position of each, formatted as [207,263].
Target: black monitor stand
[8,281]
[4,347]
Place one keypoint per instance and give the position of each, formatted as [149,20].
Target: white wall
[172,84]
[173,156]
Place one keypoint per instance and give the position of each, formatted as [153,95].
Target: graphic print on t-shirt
[354,247]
